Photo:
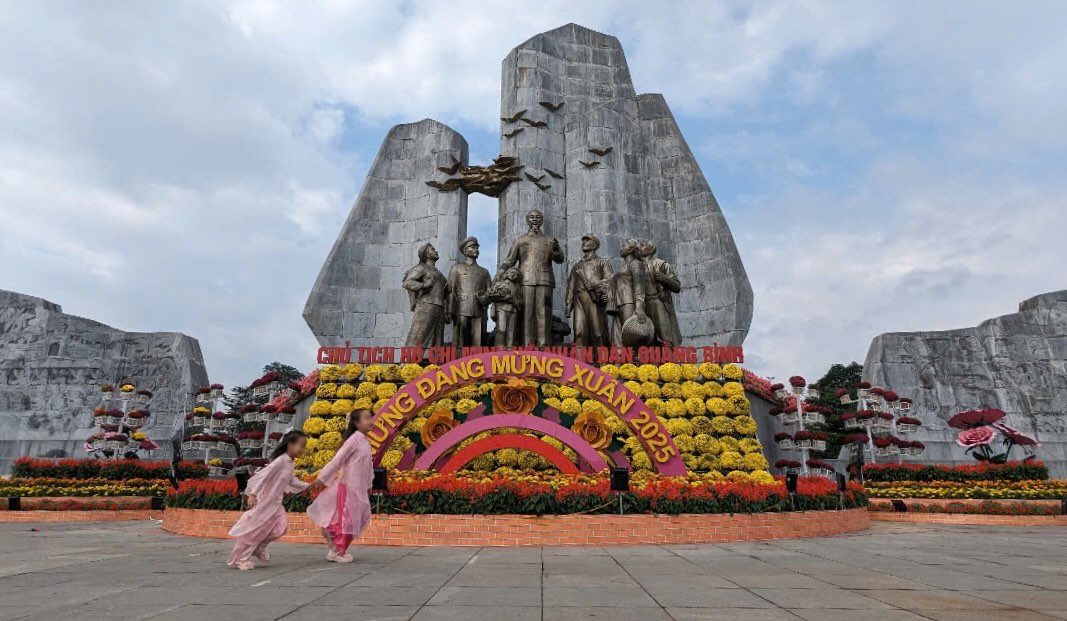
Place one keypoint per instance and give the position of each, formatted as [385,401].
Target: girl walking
[342,510]
[265,519]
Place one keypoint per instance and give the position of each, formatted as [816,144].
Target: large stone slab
[52,366]
[358,294]
[1016,363]
[648,186]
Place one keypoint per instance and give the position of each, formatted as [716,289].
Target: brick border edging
[23,517]
[970,519]
[568,530]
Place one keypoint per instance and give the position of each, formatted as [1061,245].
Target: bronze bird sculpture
[542,186]
[589,164]
[551,106]
[533,178]
[450,170]
[601,152]
[553,173]
[514,132]
[537,124]
[515,117]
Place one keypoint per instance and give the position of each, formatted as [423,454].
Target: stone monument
[578,145]
[1016,363]
[52,366]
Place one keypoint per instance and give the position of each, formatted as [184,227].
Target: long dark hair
[283,444]
[353,420]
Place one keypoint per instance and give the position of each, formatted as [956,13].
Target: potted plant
[144,396]
[114,417]
[913,448]
[115,441]
[285,415]
[813,414]
[798,383]
[135,419]
[126,391]
[886,445]
[201,415]
[216,391]
[810,440]
[250,440]
[225,442]
[864,390]
[842,395]
[784,440]
[779,391]
[787,466]
[905,404]
[820,468]
[908,424]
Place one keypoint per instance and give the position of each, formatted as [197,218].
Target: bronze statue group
[638,300]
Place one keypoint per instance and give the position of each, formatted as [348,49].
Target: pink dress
[267,520]
[343,508]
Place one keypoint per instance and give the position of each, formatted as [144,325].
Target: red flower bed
[1011,471]
[115,470]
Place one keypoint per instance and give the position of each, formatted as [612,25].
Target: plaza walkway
[892,572]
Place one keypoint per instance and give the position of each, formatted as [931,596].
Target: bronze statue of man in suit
[587,295]
[468,284]
[534,254]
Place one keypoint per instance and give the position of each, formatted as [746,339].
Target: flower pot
[813,393]
[216,393]
[112,420]
[874,406]
[789,418]
[189,445]
[132,423]
[126,396]
[786,445]
[907,427]
[223,446]
[249,444]
[911,451]
[782,393]
[143,399]
[114,445]
[845,399]
[98,445]
[283,417]
[199,421]
[822,472]
[814,417]
[904,405]
[863,393]
[852,423]
[217,471]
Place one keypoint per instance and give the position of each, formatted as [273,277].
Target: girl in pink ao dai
[265,519]
[342,510]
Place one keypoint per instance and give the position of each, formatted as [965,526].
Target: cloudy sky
[186,166]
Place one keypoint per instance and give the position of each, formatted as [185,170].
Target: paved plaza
[894,572]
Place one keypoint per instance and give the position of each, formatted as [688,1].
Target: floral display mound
[982,507]
[542,493]
[702,407]
[68,478]
[1011,480]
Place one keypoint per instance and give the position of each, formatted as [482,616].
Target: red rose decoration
[978,436]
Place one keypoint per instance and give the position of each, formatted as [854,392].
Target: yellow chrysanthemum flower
[695,406]
[385,390]
[326,391]
[679,426]
[702,424]
[469,391]
[732,389]
[634,386]
[441,404]
[550,390]
[755,461]
[329,373]
[322,457]
[648,373]
[553,402]
[374,373]
[749,445]
[320,408]
[711,371]
[330,441]
[737,476]
[731,460]
[391,459]
[722,425]
[312,445]
[414,425]
[649,390]
[685,443]
[351,372]
[670,372]
[671,390]
[409,372]
[693,389]
[718,406]
[566,392]
[657,405]
[730,443]
[363,403]
[713,389]
[346,391]
[314,426]
[341,407]
[628,371]
[762,477]
[707,444]
[336,423]
[690,372]
[465,405]
[569,406]
[732,371]
[640,461]
[739,405]
[616,424]
[745,425]
[675,407]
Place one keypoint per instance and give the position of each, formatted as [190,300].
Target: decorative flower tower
[882,416]
[121,416]
[797,411]
[209,431]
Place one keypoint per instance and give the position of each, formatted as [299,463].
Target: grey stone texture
[649,186]
[1016,363]
[358,294]
[52,366]
[891,572]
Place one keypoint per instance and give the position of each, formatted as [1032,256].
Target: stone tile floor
[894,572]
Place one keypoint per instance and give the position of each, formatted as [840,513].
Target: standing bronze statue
[661,283]
[587,296]
[468,285]
[534,254]
[428,292]
[628,294]
[507,303]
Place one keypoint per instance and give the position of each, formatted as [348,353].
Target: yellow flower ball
[616,424]
[391,459]
[685,443]
[402,443]
[692,462]
[610,369]
[730,443]
[649,390]
[367,389]
[312,445]
[374,373]
[465,405]
[554,443]
[679,426]
[320,408]
[745,425]
[718,406]
[346,391]
[671,390]
[341,407]
[507,457]
[693,389]
[690,372]
[762,477]
[755,461]
[675,407]
[707,444]
[336,423]
[305,461]
[648,373]
[322,457]
[553,402]
[749,445]
[732,371]
[392,373]
[713,389]
[326,391]
[628,371]
[733,389]
[702,424]
[722,425]
[330,441]
[569,406]
[657,405]
[469,391]
[329,373]
[737,476]
[441,404]
[731,460]
[640,461]
[351,372]
[386,390]
[635,387]
[711,371]
[739,405]
[414,425]
[711,464]
[670,372]
[566,392]
[314,426]
[695,406]
[550,390]
[363,403]
[409,372]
